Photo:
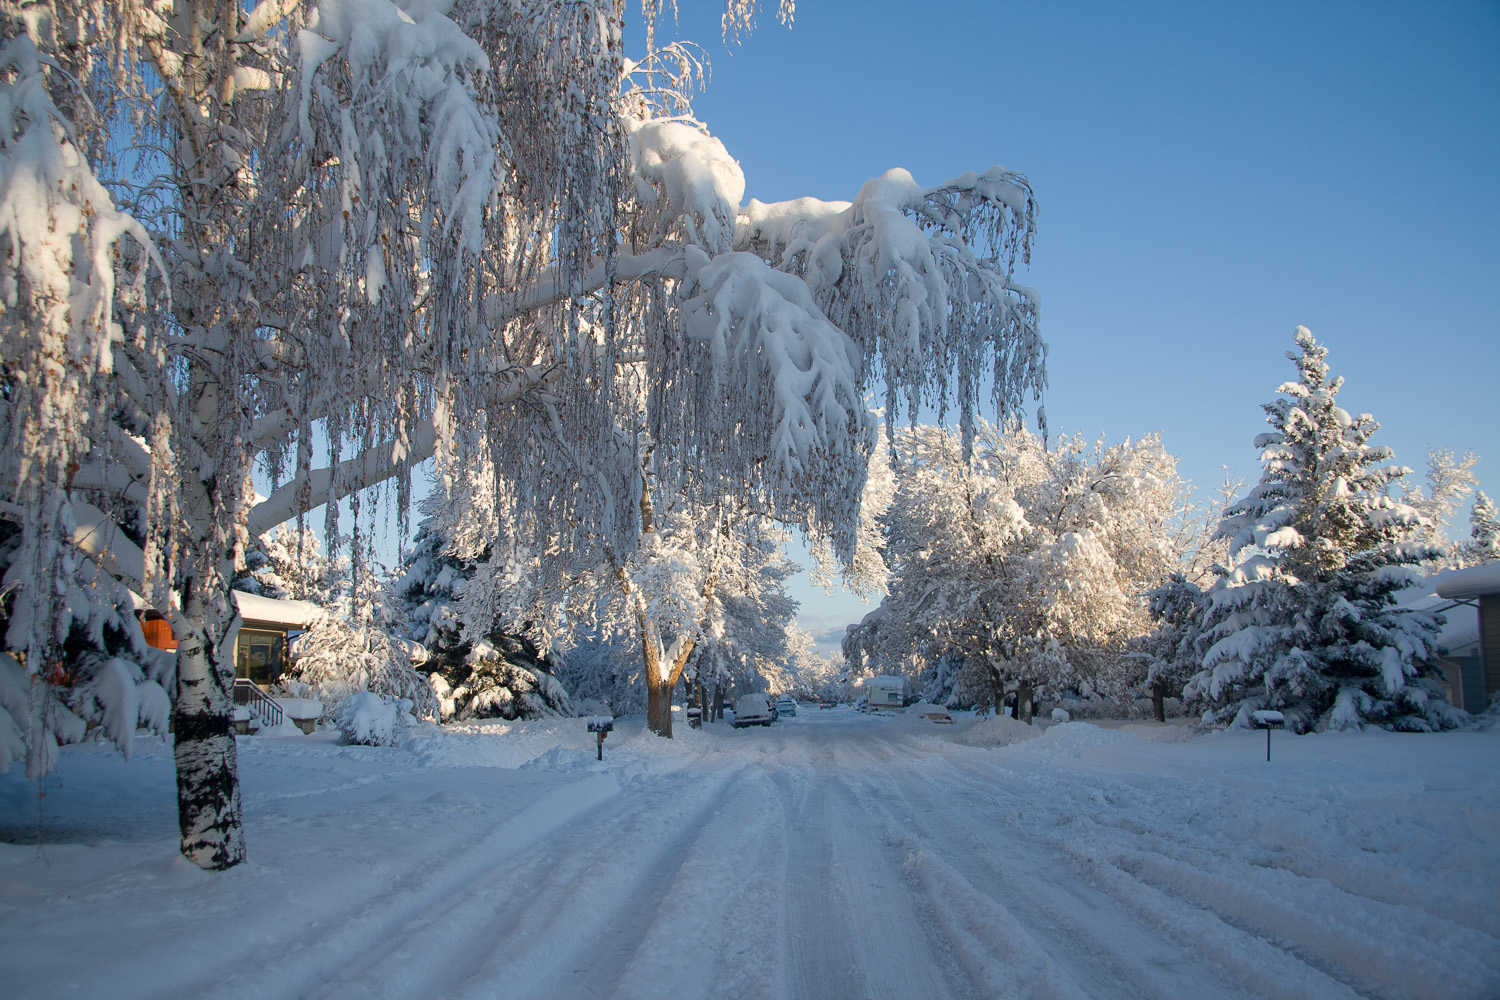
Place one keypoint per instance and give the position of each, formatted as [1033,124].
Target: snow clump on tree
[1305,621]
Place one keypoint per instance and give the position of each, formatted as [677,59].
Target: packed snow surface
[830,856]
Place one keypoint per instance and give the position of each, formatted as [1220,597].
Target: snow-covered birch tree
[382,230]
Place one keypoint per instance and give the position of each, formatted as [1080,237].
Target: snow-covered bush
[104,679]
[368,719]
[334,660]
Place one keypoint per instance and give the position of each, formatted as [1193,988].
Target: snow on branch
[63,257]
[754,336]
[921,278]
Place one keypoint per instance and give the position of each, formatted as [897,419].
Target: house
[1473,657]
[260,653]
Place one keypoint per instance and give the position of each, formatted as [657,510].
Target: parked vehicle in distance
[827,703]
[752,709]
[787,707]
[885,694]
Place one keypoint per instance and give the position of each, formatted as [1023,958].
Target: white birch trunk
[208,786]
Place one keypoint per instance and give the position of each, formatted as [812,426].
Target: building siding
[1489,642]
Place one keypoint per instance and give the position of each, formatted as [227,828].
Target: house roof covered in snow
[292,614]
[1476,581]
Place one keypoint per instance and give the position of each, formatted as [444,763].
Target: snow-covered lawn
[833,855]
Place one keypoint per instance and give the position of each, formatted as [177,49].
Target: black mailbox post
[1268,720]
[603,725]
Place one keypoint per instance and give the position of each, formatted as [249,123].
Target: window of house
[260,655]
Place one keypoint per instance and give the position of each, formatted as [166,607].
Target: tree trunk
[1023,698]
[658,685]
[1159,701]
[208,784]
[661,678]
[718,702]
[658,701]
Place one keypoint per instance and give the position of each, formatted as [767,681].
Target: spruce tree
[480,669]
[1484,533]
[1305,621]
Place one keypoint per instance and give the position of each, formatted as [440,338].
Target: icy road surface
[831,856]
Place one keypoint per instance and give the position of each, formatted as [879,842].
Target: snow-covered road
[832,856]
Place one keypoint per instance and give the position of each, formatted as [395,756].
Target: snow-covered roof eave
[292,614]
[1476,581]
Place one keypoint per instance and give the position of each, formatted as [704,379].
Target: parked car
[827,703]
[787,707]
[753,709]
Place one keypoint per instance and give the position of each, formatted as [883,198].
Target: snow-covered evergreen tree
[459,596]
[288,564]
[104,673]
[1483,543]
[1174,651]
[1306,620]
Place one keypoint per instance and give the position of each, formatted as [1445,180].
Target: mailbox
[1268,720]
[603,725]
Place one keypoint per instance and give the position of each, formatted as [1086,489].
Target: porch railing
[261,705]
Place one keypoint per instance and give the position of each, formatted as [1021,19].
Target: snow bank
[997,731]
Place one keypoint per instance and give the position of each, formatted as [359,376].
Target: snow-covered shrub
[105,678]
[370,720]
[335,659]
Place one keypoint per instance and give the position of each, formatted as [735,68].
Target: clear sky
[1209,175]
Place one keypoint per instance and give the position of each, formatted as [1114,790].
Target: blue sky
[1209,176]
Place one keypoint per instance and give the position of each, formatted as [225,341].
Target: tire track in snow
[1263,914]
[443,945]
[1010,898]
[896,939]
[711,936]
[1230,956]
[369,927]
[578,942]
[817,951]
